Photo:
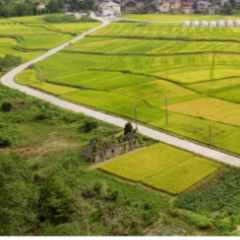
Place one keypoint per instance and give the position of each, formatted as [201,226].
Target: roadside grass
[147,162]
[102,80]
[26,77]
[54,89]
[181,177]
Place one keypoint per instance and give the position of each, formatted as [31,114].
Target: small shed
[229,23]
[186,23]
[237,23]
[204,24]
[221,23]
[195,23]
[212,24]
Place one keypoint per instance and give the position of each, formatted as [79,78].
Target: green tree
[128,128]
[207,10]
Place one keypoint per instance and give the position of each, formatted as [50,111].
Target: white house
[110,8]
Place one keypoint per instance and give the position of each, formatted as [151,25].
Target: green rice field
[175,18]
[159,166]
[138,75]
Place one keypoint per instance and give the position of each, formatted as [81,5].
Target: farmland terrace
[194,72]
[136,64]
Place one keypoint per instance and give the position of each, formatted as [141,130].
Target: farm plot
[150,46]
[6,45]
[26,77]
[28,19]
[115,103]
[54,89]
[162,167]
[101,80]
[210,108]
[180,17]
[155,91]
[181,177]
[166,31]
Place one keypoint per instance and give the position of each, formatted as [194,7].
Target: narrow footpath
[8,80]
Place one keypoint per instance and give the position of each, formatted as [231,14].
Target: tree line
[27,8]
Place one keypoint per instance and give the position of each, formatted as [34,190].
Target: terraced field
[128,73]
[159,166]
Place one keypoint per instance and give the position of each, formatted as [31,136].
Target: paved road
[8,80]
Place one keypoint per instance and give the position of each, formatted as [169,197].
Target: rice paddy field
[175,18]
[201,79]
[159,166]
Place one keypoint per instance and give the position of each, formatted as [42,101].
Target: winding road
[8,80]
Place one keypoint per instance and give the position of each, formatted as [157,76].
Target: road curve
[8,80]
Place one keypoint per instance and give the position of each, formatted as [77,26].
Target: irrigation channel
[8,80]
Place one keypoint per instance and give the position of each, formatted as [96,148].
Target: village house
[188,7]
[130,6]
[41,6]
[175,5]
[110,8]
[162,6]
[220,3]
[203,5]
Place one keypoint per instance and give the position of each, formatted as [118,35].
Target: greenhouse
[212,24]
[186,23]
[237,23]
[204,24]
[229,23]
[221,23]
[195,23]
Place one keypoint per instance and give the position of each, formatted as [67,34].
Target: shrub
[90,124]
[5,141]
[6,106]
[128,128]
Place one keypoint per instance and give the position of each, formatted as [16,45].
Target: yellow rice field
[210,108]
[26,77]
[162,167]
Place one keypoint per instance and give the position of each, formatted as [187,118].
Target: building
[162,6]
[203,5]
[130,6]
[175,5]
[188,7]
[41,6]
[110,8]
[220,3]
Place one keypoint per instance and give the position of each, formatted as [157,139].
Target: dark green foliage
[5,141]
[6,106]
[90,124]
[220,196]
[67,18]
[9,60]
[17,196]
[128,128]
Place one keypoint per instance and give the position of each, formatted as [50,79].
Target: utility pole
[136,117]
[210,142]
[166,103]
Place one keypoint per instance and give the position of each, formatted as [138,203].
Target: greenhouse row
[220,23]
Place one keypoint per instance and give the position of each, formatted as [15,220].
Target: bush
[5,141]
[128,128]
[6,107]
[90,124]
